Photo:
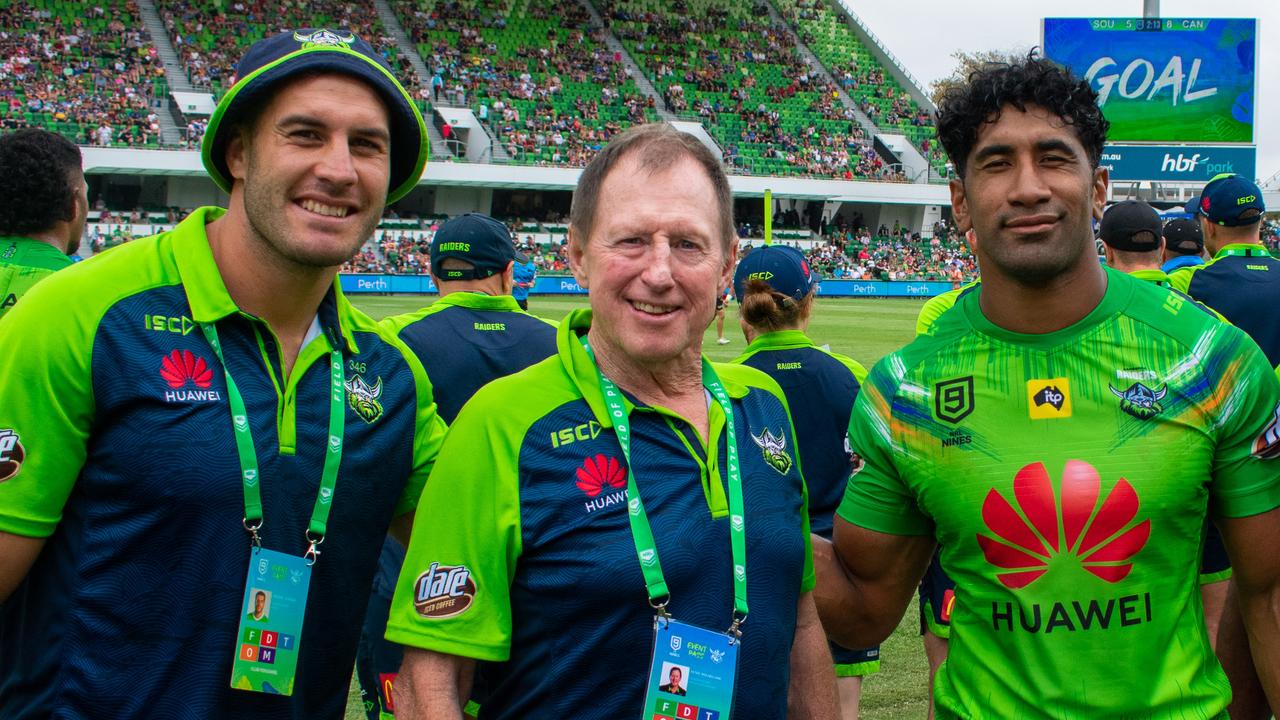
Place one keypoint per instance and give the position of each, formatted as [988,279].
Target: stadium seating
[88,72]
[726,63]
[211,35]
[878,95]
[549,90]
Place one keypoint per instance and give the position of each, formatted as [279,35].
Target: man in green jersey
[1062,434]
[44,210]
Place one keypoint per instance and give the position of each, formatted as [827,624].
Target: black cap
[1131,225]
[478,239]
[274,60]
[1183,236]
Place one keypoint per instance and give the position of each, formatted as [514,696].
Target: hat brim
[409,142]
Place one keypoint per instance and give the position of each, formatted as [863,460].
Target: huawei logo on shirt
[189,378]
[1102,532]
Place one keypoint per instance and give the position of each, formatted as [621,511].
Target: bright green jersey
[1067,477]
[939,304]
[23,263]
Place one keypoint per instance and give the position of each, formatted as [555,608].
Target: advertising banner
[1186,163]
[566,285]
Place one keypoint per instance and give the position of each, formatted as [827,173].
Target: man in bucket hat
[214,423]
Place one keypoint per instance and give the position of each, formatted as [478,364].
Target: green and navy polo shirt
[466,339]
[825,384]
[1243,283]
[118,448]
[522,553]
[23,263]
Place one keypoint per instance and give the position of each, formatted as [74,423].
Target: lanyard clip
[252,529]
[313,548]
[661,607]
[735,629]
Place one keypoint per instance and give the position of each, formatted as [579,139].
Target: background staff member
[44,211]
[776,291]
[473,334]
[532,528]
[1183,245]
[123,515]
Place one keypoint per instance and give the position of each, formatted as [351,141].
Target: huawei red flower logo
[1105,541]
[599,471]
[180,366]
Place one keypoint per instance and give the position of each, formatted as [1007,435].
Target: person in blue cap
[212,419]
[776,289]
[1242,282]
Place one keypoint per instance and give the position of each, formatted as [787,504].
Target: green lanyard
[249,474]
[642,531]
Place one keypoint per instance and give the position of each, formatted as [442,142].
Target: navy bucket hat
[272,61]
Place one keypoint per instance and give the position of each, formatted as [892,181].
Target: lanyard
[249,474]
[642,532]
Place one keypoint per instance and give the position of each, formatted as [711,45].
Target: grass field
[863,329]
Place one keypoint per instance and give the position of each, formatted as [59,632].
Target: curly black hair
[36,172]
[1032,81]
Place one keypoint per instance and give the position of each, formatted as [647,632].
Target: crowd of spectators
[544,82]
[210,36]
[740,73]
[89,73]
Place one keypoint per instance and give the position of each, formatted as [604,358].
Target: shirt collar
[1246,249]
[30,252]
[1153,276]
[779,340]
[208,296]
[1182,261]
[480,301]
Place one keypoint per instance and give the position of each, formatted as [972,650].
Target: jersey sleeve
[453,594]
[877,497]
[46,347]
[1246,472]
[429,432]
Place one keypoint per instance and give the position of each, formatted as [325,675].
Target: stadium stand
[878,95]
[541,79]
[211,35]
[729,66]
[88,72]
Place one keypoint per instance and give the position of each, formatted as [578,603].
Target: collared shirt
[23,263]
[1243,283]
[117,408]
[527,506]
[467,339]
[821,386]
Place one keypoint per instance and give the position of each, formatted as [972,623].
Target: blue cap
[274,60]
[1231,200]
[783,268]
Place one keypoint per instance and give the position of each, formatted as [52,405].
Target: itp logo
[1104,536]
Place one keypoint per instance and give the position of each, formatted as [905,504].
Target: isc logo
[568,436]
